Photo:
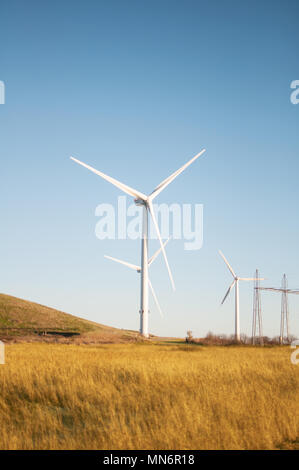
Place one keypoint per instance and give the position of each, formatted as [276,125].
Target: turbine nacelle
[140,202]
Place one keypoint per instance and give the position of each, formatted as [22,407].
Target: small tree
[189,337]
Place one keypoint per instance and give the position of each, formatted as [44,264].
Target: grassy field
[148,396]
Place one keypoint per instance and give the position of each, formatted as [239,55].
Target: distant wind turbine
[138,269]
[147,203]
[236,284]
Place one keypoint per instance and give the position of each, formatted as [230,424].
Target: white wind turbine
[138,269]
[147,203]
[236,284]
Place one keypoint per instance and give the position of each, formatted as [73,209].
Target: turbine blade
[155,297]
[227,264]
[252,278]
[151,209]
[228,291]
[129,265]
[118,184]
[157,252]
[170,178]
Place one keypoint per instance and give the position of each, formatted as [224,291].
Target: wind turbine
[284,319]
[138,269]
[236,284]
[147,203]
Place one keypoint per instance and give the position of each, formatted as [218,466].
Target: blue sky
[135,89]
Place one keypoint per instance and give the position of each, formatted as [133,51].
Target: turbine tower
[147,203]
[284,317]
[236,284]
[257,311]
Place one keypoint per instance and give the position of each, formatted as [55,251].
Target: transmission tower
[257,311]
[284,318]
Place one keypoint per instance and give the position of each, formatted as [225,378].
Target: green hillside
[21,316]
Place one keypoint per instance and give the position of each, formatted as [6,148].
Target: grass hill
[21,317]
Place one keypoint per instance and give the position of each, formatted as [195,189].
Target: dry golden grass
[147,396]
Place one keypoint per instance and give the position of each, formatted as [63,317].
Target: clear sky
[135,89]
